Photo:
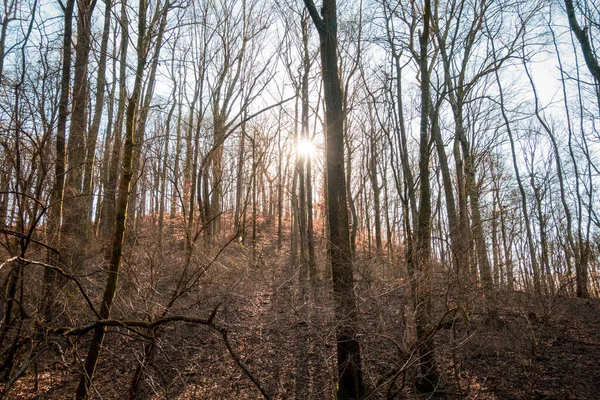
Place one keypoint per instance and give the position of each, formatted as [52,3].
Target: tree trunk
[159,18]
[480,245]
[497,267]
[106,155]
[300,164]
[510,280]
[428,379]
[351,204]
[312,258]
[75,222]
[302,159]
[217,174]
[97,118]
[56,196]
[114,260]
[294,231]
[350,383]
[239,185]
[163,173]
[108,207]
[375,185]
[254,183]
[280,186]
[457,236]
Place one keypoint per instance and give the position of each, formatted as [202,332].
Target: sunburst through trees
[242,198]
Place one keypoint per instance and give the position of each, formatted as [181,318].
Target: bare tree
[350,384]
[56,196]
[428,380]
[114,259]
[73,228]
[92,138]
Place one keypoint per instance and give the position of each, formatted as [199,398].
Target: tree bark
[74,227]
[110,191]
[428,379]
[97,118]
[163,173]
[56,196]
[350,383]
[239,185]
[312,258]
[114,260]
[376,188]
[159,18]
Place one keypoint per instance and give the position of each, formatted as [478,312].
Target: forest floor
[545,348]
[544,351]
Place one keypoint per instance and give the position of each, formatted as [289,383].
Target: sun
[305,148]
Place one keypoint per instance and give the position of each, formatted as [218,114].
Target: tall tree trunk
[510,279]
[351,203]
[303,158]
[480,245]
[469,272]
[239,185]
[194,178]
[159,18]
[5,180]
[294,230]
[300,166]
[497,268]
[254,183]
[466,165]
[110,190]
[75,220]
[21,186]
[280,185]
[97,118]
[189,157]
[350,383]
[457,236]
[428,379]
[56,196]
[217,174]
[476,220]
[376,188]
[544,260]
[312,258]
[163,173]
[114,260]
[411,204]
[176,192]
[106,156]
[388,224]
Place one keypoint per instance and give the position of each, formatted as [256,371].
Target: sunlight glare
[305,148]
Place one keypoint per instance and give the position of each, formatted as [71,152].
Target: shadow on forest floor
[285,338]
[549,351]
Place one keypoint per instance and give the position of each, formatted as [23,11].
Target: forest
[242,199]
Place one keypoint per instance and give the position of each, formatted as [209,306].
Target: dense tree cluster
[456,141]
